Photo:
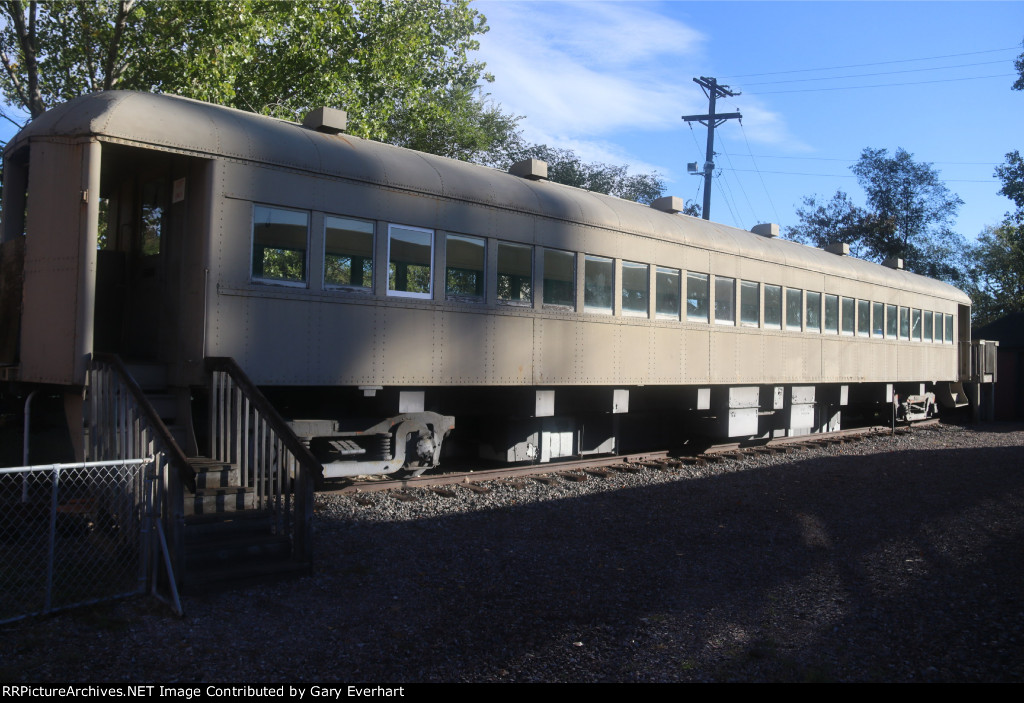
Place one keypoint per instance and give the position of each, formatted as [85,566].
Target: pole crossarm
[712,120]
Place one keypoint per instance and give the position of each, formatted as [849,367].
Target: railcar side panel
[667,354]
[831,359]
[597,361]
[348,337]
[634,355]
[408,339]
[510,346]
[697,355]
[460,356]
[558,351]
[56,269]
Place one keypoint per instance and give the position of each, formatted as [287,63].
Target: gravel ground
[887,559]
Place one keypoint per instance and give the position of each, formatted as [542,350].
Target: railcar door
[132,315]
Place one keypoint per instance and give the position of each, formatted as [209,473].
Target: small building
[1009,391]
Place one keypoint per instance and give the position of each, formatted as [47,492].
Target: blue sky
[611,80]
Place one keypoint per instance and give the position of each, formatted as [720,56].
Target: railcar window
[750,303]
[927,325]
[949,329]
[348,253]
[697,297]
[410,253]
[666,283]
[559,278]
[863,318]
[877,319]
[464,267]
[794,309]
[725,301]
[636,280]
[515,273]
[773,307]
[891,323]
[279,242]
[598,279]
[905,323]
[915,325]
[152,221]
[847,325]
[832,314]
[813,311]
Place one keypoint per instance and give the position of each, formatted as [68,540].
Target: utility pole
[711,120]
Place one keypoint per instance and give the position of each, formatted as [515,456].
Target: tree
[1019,65]
[400,69]
[837,221]
[997,272]
[567,168]
[909,215]
[1012,175]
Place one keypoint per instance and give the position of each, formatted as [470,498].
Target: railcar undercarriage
[532,425]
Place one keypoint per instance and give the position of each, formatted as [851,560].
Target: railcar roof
[180,124]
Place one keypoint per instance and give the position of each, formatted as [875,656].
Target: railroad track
[579,469]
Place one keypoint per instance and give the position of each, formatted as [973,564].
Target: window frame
[291,283]
[668,272]
[572,279]
[755,287]
[631,312]
[391,292]
[327,285]
[516,302]
[591,307]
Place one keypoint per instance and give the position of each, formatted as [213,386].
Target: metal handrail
[163,439]
[122,424]
[246,430]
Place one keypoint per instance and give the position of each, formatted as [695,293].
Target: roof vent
[534,169]
[670,203]
[893,262]
[768,229]
[838,248]
[327,120]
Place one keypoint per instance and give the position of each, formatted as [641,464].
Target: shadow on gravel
[895,567]
[899,567]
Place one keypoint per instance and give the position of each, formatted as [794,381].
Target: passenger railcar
[381,297]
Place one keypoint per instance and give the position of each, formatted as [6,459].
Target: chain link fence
[74,534]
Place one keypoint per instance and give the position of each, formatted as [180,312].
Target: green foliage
[1012,175]
[1019,65]
[400,69]
[838,221]
[566,167]
[909,215]
[997,273]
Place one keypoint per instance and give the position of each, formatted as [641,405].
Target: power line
[743,191]
[759,175]
[830,158]
[849,175]
[877,73]
[876,63]
[884,85]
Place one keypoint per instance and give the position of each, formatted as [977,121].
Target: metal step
[223,499]
[214,474]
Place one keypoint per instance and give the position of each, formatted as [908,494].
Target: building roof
[1007,330]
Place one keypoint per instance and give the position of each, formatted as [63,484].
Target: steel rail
[659,456]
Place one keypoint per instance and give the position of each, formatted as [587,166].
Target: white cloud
[585,73]
[590,68]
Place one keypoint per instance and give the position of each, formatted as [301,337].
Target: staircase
[238,516]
